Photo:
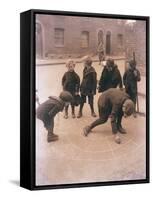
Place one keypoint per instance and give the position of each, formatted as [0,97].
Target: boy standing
[130,79]
[71,83]
[110,77]
[88,86]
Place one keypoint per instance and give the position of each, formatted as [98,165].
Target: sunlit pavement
[75,158]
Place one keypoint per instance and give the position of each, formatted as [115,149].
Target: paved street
[75,158]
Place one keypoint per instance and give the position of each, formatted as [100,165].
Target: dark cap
[66,96]
[132,63]
[110,62]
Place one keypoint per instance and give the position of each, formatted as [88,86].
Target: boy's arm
[137,75]
[120,80]
[124,78]
[102,81]
[94,82]
[77,87]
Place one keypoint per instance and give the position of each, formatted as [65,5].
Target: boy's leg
[51,136]
[119,126]
[134,99]
[73,110]
[49,125]
[83,100]
[97,122]
[66,112]
[91,101]
[116,129]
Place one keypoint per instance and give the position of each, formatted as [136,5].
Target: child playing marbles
[47,111]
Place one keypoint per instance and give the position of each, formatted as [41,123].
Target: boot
[51,137]
[66,116]
[73,115]
[121,130]
[80,111]
[117,138]
[79,114]
[93,114]
[66,112]
[73,112]
[86,130]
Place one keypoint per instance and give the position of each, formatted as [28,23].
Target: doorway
[108,43]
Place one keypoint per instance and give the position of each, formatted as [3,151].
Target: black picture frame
[27,99]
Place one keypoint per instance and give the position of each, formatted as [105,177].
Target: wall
[73,27]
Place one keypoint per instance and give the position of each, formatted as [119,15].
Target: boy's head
[70,65]
[87,60]
[66,96]
[132,64]
[128,108]
[110,64]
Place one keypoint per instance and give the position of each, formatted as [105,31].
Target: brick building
[71,36]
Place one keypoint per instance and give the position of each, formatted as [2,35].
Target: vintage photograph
[90,99]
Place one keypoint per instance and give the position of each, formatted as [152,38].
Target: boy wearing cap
[130,79]
[71,83]
[110,76]
[116,103]
[88,86]
[47,111]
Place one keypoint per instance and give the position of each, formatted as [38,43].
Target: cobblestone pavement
[75,158]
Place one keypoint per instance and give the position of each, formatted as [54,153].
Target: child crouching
[48,110]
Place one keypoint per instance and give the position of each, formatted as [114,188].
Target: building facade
[71,36]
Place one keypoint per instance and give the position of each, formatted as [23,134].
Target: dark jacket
[110,79]
[130,80]
[50,107]
[89,81]
[71,82]
[110,103]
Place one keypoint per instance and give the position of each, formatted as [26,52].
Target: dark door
[108,43]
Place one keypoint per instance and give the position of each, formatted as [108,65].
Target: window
[85,39]
[59,37]
[120,40]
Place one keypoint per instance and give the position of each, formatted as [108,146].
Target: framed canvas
[84,99]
